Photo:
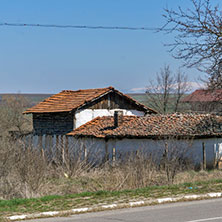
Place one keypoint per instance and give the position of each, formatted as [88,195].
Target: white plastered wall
[125,146]
[86,115]
[192,148]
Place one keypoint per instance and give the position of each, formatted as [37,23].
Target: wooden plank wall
[53,123]
[113,101]
[61,147]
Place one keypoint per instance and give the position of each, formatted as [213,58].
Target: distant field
[140,97]
[36,98]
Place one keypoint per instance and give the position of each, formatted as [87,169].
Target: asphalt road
[194,211]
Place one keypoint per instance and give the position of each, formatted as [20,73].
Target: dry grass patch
[195,176]
[96,199]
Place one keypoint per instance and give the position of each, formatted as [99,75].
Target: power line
[80,26]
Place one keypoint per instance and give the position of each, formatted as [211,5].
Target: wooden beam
[62,149]
[66,145]
[204,156]
[74,120]
[57,147]
[114,155]
[85,152]
[106,151]
[40,145]
[109,103]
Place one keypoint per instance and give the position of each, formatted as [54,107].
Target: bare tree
[164,93]
[181,87]
[158,92]
[215,79]
[198,40]
[11,116]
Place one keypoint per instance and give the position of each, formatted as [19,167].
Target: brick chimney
[118,118]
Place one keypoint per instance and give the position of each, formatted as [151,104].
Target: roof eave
[109,90]
[153,137]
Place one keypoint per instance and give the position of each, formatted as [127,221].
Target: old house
[67,110]
[181,132]
[205,100]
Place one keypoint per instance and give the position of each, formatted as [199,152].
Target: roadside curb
[114,206]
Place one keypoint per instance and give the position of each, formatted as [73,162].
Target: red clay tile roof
[69,100]
[193,125]
[202,95]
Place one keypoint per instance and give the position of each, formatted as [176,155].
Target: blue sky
[47,60]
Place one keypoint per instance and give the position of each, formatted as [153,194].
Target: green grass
[144,99]
[140,97]
[86,199]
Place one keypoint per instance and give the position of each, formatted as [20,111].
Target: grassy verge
[54,203]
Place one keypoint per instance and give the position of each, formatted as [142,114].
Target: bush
[26,171]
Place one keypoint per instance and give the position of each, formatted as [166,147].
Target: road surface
[194,211]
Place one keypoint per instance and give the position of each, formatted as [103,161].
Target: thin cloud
[193,86]
[138,90]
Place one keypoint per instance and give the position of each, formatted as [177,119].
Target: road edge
[114,206]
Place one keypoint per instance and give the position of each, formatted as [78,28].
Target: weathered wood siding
[52,123]
[113,101]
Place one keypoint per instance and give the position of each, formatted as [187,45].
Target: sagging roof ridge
[186,125]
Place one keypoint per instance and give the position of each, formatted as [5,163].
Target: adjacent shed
[181,132]
[67,110]
[205,100]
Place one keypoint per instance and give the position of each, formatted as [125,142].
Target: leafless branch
[165,92]
[198,34]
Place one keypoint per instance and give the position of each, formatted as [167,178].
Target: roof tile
[202,95]
[68,100]
[152,126]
